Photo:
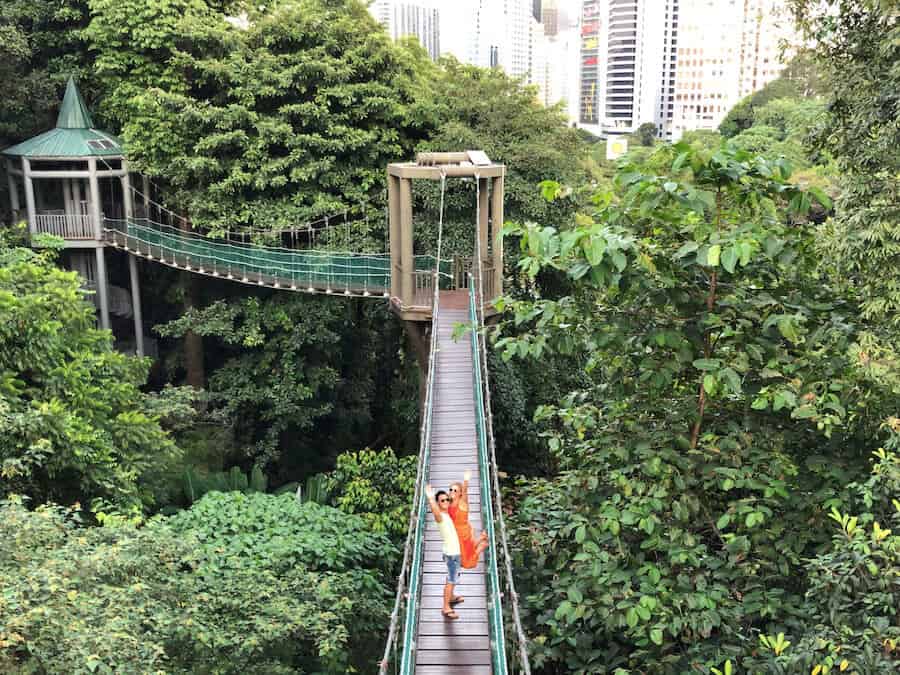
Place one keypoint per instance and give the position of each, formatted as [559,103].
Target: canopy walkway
[295,269]
[456,436]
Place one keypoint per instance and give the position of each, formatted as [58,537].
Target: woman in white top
[439,504]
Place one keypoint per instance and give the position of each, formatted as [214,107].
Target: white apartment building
[681,64]
[490,34]
[728,49]
[538,65]
[420,19]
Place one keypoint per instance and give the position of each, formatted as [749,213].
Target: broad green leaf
[580,533]
[712,255]
[687,248]
[730,258]
[707,364]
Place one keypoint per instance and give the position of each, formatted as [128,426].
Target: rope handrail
[199,236]
[513,603]
[417,511]
[246,252]
[146,200]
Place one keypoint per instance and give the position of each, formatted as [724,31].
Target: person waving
[470,550]
[450,548]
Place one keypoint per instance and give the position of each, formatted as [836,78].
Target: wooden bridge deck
[445,646]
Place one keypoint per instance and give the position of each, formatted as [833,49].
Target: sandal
[457,600]
[450,615]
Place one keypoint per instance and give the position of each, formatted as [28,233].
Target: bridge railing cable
[349,272]
[409,580]
[477,292]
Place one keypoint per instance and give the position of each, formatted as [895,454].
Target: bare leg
[448,594]
[483,544]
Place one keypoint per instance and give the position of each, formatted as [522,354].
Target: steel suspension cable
[479,309]
[416,514]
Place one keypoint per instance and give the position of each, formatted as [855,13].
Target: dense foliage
[724,376]
[292,115]
[696,379]
[74,423]
[238,583]
[858,47]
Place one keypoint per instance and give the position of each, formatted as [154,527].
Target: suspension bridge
[63,182]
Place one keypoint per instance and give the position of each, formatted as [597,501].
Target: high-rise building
[767,28]
[637,44]
[550,17]
[401,18]
[500,35]
[680,64]
[589,113]
[727,50]
[537,58]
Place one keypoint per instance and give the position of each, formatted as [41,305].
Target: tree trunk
[416,334]
[195,375]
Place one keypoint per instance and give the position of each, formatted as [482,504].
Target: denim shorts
[453,565]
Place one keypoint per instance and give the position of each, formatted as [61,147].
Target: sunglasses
[454,489]
[444,499]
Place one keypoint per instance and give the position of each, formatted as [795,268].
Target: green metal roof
[74,135]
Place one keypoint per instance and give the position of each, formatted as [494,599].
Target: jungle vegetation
[696,379]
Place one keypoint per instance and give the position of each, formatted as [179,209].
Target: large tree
[857,45]
[291,114]
[725,400]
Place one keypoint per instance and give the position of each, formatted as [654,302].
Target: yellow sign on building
[616,147]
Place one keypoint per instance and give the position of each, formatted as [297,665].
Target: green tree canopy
[726,400]
[857,46]
[238,583]
[291,116]
[74,423]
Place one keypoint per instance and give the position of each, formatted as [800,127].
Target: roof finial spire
[73,113]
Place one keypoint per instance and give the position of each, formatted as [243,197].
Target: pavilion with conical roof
[72,177]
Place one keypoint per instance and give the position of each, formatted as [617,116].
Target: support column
[407,262]
[77,195]
[13,190]
[29,196]
[145,188]
[497,226]
[136,305]
[483,209]
[95,199]
[394,234]
[102,289]
[127,200]
[418,337]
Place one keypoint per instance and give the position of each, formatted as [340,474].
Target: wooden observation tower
[411,289]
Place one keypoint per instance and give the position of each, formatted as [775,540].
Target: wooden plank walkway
[444,646]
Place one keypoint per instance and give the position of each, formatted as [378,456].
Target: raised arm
[429,493]
[464,489]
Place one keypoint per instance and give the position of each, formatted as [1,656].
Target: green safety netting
[312,267]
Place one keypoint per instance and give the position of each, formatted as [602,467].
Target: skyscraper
[680,64]
[728,49]
[550,17]
[500,35]
[401,18]
[589,95]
